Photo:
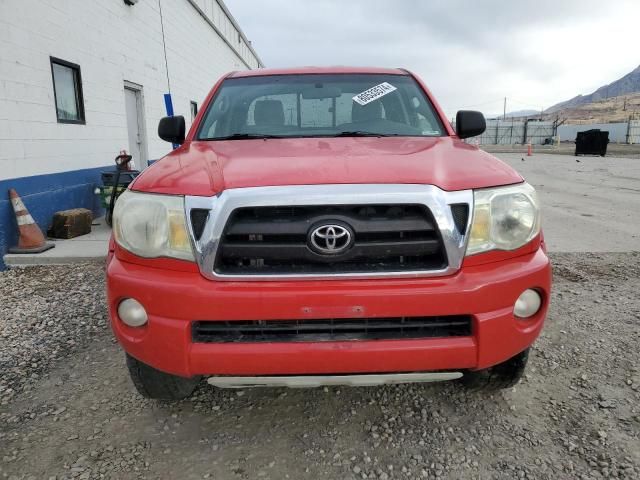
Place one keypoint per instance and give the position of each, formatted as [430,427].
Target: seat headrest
[269,112]
[363,113]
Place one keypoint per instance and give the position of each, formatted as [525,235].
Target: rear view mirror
[321,92]
[470,123]
[172,129]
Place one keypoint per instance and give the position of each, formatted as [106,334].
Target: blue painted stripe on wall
[43,195]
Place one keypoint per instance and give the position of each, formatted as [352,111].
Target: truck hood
[205,168]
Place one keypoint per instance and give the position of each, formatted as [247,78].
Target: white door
[135,126]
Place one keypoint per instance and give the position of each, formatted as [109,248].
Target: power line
[525,104]
[164,46]
[502,100]
[481,104]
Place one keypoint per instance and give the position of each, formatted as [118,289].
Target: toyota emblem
[330,239]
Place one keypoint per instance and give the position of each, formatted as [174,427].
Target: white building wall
[112,43]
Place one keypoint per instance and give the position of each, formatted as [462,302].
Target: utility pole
[504,110]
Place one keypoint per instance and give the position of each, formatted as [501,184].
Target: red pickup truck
[324,226]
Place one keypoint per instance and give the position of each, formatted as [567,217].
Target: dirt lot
[565,148]
[69,410]
[589,204]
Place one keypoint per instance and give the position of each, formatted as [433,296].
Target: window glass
[316,112]
[66,83]
[289,108]
[344,109]
[316,105]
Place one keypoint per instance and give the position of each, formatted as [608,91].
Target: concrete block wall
[113,43]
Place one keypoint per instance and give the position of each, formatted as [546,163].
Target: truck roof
[317,70]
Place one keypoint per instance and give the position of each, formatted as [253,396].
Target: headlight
[151,226]
[504,218]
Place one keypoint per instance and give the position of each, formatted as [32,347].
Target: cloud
[468,52]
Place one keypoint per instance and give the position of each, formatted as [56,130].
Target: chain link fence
[633,131]
[513,132]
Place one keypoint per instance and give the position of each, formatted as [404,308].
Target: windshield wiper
[358,133]
[243,136]
[353,133]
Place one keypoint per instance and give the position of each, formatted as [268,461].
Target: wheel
[152,383]
[503,375]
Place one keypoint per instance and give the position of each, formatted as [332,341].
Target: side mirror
[172,129]
[470,123]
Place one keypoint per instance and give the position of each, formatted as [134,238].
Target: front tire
[501,376]
[152,383]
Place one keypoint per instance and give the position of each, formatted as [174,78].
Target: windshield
[319,106]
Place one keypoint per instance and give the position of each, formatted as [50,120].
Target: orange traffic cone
[31,239]
[529,149]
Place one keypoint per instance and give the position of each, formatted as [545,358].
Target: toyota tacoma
[325,226]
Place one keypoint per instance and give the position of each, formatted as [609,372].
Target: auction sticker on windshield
[374,93]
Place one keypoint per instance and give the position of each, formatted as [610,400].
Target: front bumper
[173,299]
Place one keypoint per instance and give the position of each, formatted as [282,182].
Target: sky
[470,53]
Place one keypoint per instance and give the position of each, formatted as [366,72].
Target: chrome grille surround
[438,201]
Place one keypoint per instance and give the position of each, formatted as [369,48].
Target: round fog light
[528,304]
[132,312]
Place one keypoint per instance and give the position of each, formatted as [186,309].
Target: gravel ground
[68,409]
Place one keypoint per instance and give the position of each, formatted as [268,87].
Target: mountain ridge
[629,83]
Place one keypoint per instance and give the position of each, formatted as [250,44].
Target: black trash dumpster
[592,142]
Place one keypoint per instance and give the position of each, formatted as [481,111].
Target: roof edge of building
[242,35]
[195,5]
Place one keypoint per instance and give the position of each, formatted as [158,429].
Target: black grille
[274,240]
[327,330]
[460,212]
[199,218]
